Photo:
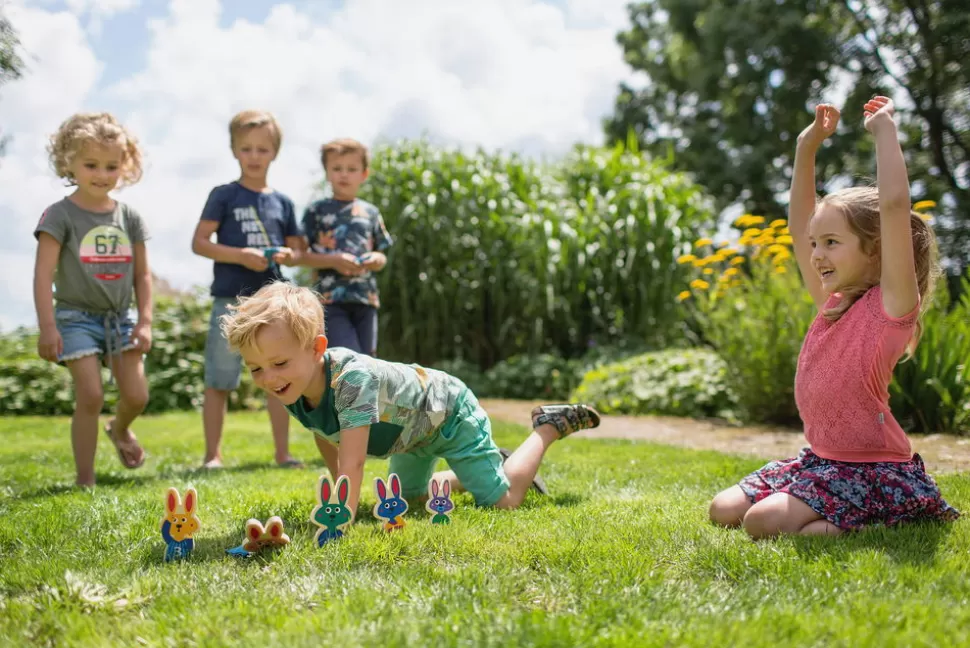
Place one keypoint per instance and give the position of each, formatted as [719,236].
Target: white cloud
[61,72]
[510,74]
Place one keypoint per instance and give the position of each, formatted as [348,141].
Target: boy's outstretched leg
[549,424]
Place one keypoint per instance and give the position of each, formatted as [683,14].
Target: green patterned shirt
[404,404]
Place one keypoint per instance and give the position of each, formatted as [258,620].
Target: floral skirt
[853,495]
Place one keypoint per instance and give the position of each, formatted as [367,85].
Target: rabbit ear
[343,489]
[381,488]
[324,490]
[447,488]
[395,485]
[191,499]
[172,500]
[434,488]
[275,528]
[254,529]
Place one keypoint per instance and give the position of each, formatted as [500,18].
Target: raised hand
[826,121]
[878,111]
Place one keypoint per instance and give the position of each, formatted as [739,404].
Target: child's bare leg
[729,506]
[279,420]
[213,416]
[88,400]
[129,372]
[549,423]
[522,466]
[777,514]
[820,527]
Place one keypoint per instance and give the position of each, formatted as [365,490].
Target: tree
[11,65]
[731,83]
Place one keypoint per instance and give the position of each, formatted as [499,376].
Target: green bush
[676,382]
[930,392]
[541,376]
[497,257]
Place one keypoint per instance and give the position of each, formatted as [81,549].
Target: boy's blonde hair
[343,146]
[299,308]
[860,206]
[250,119]
[93,128]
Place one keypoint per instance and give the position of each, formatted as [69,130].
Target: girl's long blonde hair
[97,128]
[860,206]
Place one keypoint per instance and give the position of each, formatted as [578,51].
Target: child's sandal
[127,463]
[567,419]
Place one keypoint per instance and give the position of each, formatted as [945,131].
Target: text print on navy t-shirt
[248,219]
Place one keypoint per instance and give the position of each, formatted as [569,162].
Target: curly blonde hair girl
[97,128]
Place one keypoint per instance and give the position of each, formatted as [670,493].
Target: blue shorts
[223,366]
[85,333]
[465,442]
[352,326]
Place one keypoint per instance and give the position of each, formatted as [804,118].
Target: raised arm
[900,289]
[801,204]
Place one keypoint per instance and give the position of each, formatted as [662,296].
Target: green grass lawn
[621,554]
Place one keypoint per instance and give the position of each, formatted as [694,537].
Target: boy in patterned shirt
[347,240]
[359,406]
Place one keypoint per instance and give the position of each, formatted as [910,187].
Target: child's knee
[135,397]
[88,398]
[729,507]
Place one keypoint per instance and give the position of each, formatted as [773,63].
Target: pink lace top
[842,382]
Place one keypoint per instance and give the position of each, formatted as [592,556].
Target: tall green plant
[930,392]
[497,256]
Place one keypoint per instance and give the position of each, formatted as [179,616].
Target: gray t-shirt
[95,271]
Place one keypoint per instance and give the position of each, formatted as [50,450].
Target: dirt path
[941,452]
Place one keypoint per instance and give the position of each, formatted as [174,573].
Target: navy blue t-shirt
[248,219]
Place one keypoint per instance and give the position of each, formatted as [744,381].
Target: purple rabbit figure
[439,505]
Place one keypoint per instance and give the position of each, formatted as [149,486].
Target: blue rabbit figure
[439,505]
[390,509]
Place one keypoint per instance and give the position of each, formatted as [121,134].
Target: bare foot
[212,463]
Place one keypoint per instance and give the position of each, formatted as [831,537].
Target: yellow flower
[781,222]
[751,232]
[784,239]
[684,295]
[737,260]
[926,217]
[764,239]
[748,219]
[699,263]
[924,204]
[730,272]
[708,271]
[700,284]
[721,244]
[777,248]
[782,256]
[686,258]
[780,270]
[702,242]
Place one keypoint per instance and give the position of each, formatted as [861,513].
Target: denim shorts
[85,333]
[223,366]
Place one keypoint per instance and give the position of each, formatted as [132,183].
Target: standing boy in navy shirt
[256,231]
[347,240]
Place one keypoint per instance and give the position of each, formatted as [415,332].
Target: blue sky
[535,76]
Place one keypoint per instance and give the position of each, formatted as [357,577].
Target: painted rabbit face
[183,519]
[332,514]
[393,506]
[440,503]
